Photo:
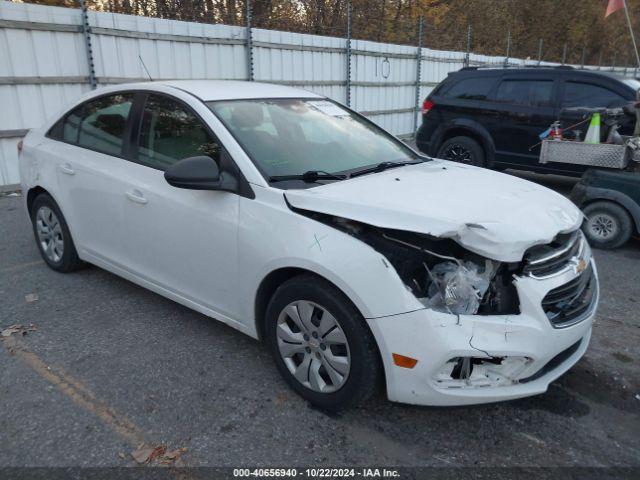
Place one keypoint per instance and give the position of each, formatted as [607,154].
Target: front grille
[544,260]
[566,304]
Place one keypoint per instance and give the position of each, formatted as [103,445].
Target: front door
[182,241]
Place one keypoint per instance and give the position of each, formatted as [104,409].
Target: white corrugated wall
[43,65]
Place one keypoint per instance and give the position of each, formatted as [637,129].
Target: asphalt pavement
[111,366]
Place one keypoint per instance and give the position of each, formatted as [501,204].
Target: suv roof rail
[506,67]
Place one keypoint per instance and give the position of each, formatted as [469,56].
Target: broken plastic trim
[439,272]
[478,372]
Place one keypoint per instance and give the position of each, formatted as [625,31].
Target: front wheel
[607,225]
[321,343]
[463,150]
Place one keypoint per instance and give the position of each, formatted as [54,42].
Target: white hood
[493,214]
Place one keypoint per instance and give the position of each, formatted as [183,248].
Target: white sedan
[299,222]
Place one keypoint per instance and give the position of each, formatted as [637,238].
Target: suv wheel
[607,225]
[462,150]
[52,235]
[321,343]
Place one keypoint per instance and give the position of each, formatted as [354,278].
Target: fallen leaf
[122,455]
[172,456]
[31,297]
[21,329]
[142,454]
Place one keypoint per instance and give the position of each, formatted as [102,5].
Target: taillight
[426,106]
[20,145]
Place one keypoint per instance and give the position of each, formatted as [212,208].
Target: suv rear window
[476,88]
[532,93]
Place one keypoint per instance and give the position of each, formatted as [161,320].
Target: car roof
[210,90]
[556,70]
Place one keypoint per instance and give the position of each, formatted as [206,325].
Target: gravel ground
[112,365]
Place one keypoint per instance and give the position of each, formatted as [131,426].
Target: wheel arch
[275,279]
[33,193]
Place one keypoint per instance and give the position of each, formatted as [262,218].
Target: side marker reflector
[404,362]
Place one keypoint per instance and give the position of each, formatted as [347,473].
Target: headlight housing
[458,287]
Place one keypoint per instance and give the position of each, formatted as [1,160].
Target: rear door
[524,107]
[90,169]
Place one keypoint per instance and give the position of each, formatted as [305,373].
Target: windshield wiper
[309,176]
[381,167]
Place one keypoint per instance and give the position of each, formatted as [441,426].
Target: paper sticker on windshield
[329,108]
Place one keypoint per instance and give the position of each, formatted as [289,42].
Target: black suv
[492,117]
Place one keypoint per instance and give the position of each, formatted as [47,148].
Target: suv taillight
[426,106]
[20,145]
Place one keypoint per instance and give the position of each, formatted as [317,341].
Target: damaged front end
[441,274]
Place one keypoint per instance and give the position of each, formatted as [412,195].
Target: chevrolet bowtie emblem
[581,266]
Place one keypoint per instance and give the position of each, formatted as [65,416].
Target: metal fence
[51,55]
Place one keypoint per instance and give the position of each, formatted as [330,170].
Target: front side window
[294,136]
[531,93]
[103,123]
[577,94]
[169,133]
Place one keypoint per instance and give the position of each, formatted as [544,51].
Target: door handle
[136,196]
[66,168]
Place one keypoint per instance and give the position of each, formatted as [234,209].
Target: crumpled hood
[493,214]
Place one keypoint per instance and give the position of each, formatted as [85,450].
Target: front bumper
[434,338]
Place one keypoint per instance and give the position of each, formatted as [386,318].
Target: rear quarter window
[474,88]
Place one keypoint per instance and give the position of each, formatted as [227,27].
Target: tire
[462,150]
[607,225]
[311,294]
[52,235]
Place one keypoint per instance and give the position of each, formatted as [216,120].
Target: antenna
[145,68]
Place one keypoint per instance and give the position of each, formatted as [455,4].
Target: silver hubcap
[49,234]
[313,346]
[603,226]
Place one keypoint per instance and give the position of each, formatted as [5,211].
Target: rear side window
[532,93]
[71,126]
[579,94]
[477,88]
[170,132]
[103,124]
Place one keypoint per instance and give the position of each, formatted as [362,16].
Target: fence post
[540,43]
[348,52]
[506,59]
[613,64]
[600,60]
[418,74]
[468,54]
[249,43]
[584,53]
[86,33]
[564,54]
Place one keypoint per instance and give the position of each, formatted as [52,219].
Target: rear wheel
[463,150]
[52,235]
[321,344]
[607,225]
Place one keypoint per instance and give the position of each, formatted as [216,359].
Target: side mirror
[199,173]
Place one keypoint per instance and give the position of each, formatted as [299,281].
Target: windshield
[294,136]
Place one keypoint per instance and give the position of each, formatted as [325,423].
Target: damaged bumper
[470,359]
